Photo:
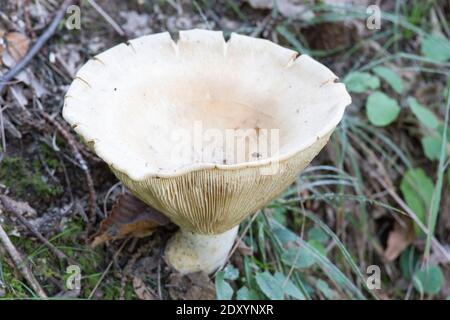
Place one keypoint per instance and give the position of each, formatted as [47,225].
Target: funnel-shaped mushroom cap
[160,114]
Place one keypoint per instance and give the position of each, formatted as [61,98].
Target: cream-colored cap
[137,105]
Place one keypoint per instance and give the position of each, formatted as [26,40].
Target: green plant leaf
[409,262]
[430,280]
[360,82]
[425,116]
[332,272]
[437,193]
[289,287]
[417,190]
[230,272]
[436,47]
[245,293]
[318,234]
[298,258]
[440,130]
[279,214]
[448,177]
[325,289]
[319,246]
[284,235]
[381,109]
[432,147]
[223,288]
[392,78]
[270,286]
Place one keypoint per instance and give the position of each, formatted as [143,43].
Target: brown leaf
[194,286]
[129,217]
[16,44]
[244,249]
[383,296]
[142,290]
[399,239]
[332,35]
[288,8]
[428,93]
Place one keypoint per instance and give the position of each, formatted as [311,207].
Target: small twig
[82,147]
[26,16]
[2,131]
[107,17]
[10,207]
[43,38]
[82,163]
[159,278]
[108,267]
[20,264]
[108,193]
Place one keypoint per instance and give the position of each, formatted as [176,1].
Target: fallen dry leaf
[194,286]
[383,296]
[15,44]
[244,249]
[129,217]
[428,94]
[142,290]
[288,8]
[333,35]
[27,77]
[399,239]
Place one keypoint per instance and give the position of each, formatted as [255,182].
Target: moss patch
[24,178]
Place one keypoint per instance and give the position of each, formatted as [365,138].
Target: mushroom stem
[190,252]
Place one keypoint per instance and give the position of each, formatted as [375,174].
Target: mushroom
[205,130]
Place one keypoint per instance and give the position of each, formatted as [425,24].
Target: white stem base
[188,252]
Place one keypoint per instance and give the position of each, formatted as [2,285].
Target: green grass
[45,266]
[436,199]
[23,178]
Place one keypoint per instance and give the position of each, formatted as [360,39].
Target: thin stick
[108,267]
[11,208]
[107,17]
[43,38]
[20,264]
[82,163]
